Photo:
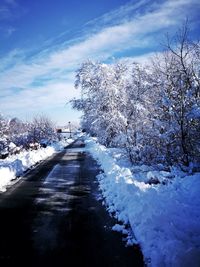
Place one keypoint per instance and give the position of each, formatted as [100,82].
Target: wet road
[52,217]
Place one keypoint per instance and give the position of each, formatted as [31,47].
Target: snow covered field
[15,165]
[163,218]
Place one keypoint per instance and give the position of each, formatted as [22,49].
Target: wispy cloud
[8,9]
[51,94]
[14,57]
[119,15]
[120,30]
[9,31]
[11,2]
[5,12]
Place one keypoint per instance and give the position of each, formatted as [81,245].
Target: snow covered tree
[177,77]
[41,128]
[138,110]
[153,111]
[101,100]
[18,132]
[4,131]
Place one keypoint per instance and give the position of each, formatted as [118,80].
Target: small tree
[178,71]
[42,128]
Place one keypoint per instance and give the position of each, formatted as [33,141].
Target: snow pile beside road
[58,146]
[16,165]
[165,218]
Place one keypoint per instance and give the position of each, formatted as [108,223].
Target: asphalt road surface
[52,217]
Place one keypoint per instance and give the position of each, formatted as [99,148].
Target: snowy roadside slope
[16,165]
[165,219]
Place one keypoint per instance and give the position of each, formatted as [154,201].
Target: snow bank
[165,218]
[16,165]
[58,146]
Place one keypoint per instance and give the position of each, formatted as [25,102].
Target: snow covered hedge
[165,218]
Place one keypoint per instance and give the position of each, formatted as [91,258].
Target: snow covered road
[52,217]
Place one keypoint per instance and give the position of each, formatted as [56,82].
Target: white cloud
[119,15]
[55,94]
[104,43]
[12,58]
[137,32]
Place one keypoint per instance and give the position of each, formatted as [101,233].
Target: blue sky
[43,42]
